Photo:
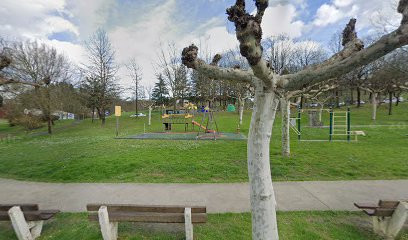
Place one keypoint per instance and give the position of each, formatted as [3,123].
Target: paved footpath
[219,198]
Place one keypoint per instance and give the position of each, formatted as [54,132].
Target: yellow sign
[118,111]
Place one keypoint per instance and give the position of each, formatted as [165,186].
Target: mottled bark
[263,203]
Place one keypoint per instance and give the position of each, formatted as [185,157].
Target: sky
[138,28]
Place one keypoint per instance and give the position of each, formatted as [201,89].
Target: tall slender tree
[135,73]
[160,91]
[100,71]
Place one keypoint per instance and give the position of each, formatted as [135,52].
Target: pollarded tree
[267,83]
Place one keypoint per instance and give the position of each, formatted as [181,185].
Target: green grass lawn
[89,153]
[292,225]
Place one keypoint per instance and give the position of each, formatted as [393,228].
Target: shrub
[30,122]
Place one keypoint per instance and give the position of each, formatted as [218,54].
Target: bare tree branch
[189,58]
[352,56]
[4,81]
[249,34]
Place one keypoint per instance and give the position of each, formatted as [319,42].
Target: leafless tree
[267,83]
[135,73]
[42,67]
[100,71]
[172,71]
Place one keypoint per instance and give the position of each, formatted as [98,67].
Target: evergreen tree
[160,91]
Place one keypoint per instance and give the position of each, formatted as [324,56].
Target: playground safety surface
[187,136]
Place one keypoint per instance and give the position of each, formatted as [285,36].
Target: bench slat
[366,205]
[32,215]
[150,217]
[388,204]
[24,207]
[145,208]
[384,212]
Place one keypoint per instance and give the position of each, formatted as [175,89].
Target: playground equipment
[179,116]
[186,116]
[207,123]
[340,125]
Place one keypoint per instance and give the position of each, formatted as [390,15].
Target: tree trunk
[150,115]
[93,114]
[351,96]
[358,97]
[397,96]
[321,112]
[241,110]
[49,110]
[374,103]
[263,203]
[101,114]
[390,95]
[285,108]
[136,103]
[337,100]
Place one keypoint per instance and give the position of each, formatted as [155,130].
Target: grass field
[292,225]
[89,153]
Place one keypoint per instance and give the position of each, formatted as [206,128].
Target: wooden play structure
[186,117]
[179,116]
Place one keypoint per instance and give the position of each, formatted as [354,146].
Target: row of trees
[37,78]
[40,71]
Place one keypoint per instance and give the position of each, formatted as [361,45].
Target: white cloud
[366,12]
[343,3]
[33,19]
[328,14]
[280,19]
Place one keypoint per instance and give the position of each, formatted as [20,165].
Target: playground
[84,147]
[338,125]
[187,123]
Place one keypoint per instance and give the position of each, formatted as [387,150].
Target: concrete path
[219,198]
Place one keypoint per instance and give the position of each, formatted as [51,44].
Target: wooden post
[188,224]
[117,126]
[298,123]
[35,228]
[331,124]
[348,125]
[109,230]
[19,223]
[397,220]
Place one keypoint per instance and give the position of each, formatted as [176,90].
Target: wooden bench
[388,216]
[109,215]
[27,219]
